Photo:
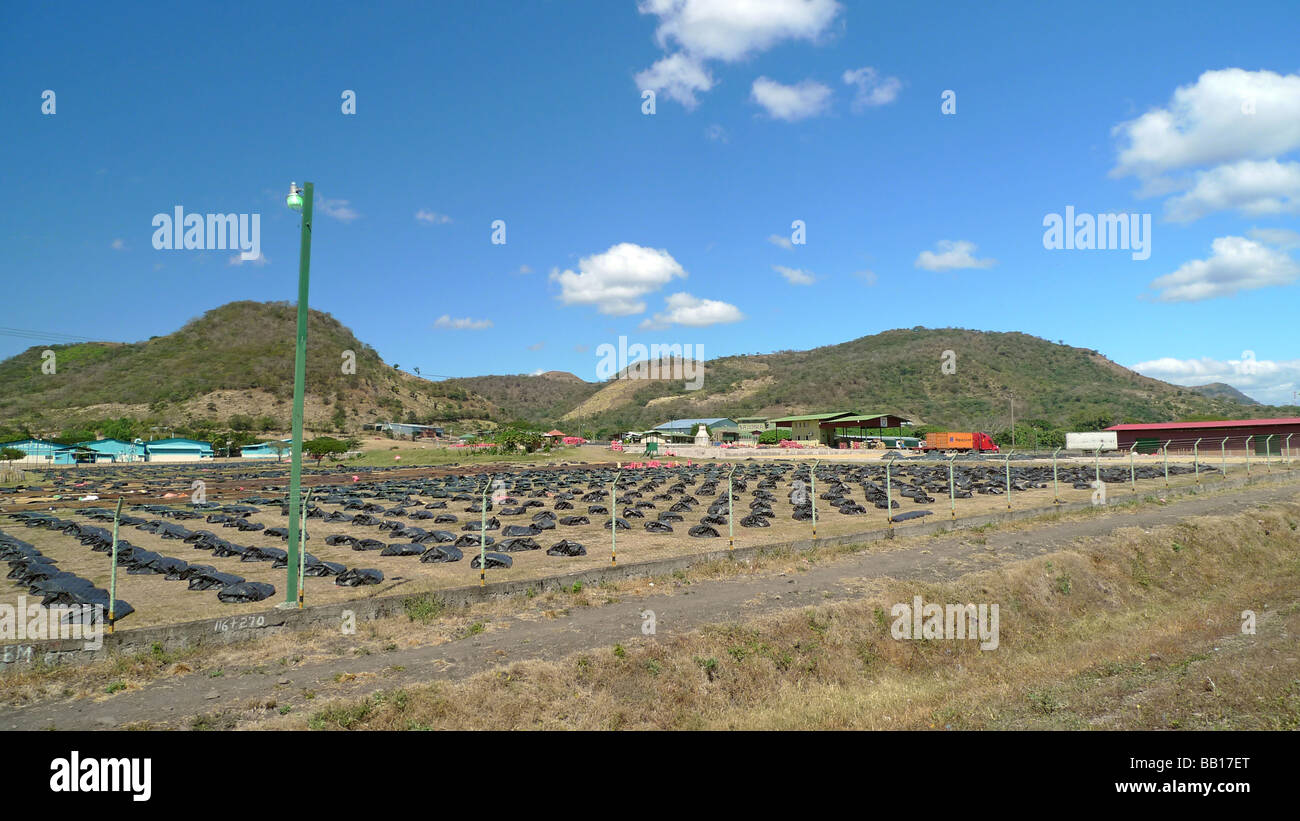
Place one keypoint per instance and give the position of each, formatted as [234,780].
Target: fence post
[1286,446]
[1196,462]
[952,494]
[889,496]
[812,497]
[1096,463]
[1166,450]
[1056,495]
[1223,454]
[731,526]
[1248,438]
[112,572]
[302,553]
[482,535]
[613,521]
[1007,461]
[1132,475]
[1268,451]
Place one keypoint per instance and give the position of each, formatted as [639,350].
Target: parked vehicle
[960,441]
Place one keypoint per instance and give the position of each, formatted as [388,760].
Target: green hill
[901,371]
[235,360]
[235,364]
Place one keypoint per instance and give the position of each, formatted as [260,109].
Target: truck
[960,441]
[1092,441]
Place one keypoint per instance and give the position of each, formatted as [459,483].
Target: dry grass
[1140,630]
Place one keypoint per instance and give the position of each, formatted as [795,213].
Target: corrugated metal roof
[676,424]
[811,417]
[1221,423]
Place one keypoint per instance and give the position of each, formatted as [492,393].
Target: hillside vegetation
[235,364]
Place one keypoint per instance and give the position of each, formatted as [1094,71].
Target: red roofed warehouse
[1239,434]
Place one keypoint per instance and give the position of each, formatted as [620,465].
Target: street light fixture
[298,200]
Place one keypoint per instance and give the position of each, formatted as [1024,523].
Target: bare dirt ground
[286,676]
[159,601]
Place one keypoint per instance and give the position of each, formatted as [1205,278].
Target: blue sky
[670,227]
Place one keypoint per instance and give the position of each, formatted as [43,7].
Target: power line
[52,336]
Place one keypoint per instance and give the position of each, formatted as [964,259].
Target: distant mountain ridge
[238,359]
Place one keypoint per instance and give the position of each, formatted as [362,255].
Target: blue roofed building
[112,450]
[42,452]
[266,450]
[177,450]
[721,429]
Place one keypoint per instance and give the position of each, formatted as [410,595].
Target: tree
[323,446]
[11,454]
[340,418]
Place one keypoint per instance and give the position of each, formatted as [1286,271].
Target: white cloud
[677,76]
[524,269]
[952,255]
[691,311]
[1264,380]
[1252,187]
[537,346]
[717,134]
[259,260]
[866,276]
[795,276]
[1219,140]
[1236,264]
[1205,124]
[701,30]
[730,31]
[615,281]
[791,103]
[119,245]
[781,242]
[464,324]
[432,217]
[873,89]
[1283,238]
[338,209]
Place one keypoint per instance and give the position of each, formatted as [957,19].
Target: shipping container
[1092,440]
[963,440]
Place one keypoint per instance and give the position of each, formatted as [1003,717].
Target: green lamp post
[299,199]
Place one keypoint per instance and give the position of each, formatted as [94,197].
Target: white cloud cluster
[462,324]
[1264,380]
[1220,140]
[431,217]
[1235,264]
[791,102]
[1283,238]
[872,89]
[795,276]
[693,312]
[615,281]
[340,210]
[952,255]
[698,31]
